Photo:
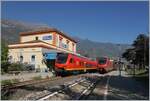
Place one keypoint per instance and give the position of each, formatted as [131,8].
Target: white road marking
[106,89]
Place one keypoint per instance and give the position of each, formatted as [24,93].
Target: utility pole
[119,60]
[144,52]
[119,66]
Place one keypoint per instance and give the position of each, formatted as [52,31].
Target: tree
[4,57]
[139,54]
[4,52]
[129,55]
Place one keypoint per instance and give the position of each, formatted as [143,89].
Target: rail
[86,89]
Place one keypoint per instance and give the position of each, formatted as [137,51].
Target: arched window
[33,58]
[21,58]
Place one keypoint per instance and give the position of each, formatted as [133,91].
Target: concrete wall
[40,37]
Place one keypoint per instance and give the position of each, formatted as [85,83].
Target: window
[21,58]
[10,58]
[102,60]
[71,60]
[62,58]
[67,44]
[33,58]
[36,38]
[72,46]
[60,41]
[80,63]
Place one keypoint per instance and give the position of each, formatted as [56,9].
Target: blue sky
[116,22]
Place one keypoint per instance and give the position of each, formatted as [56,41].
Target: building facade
[34,44]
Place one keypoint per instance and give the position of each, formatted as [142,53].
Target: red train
[69,63]
[105,64]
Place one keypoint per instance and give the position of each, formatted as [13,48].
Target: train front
[61,63]
[102,64]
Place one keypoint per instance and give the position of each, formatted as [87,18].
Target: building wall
[27,54]
[55,40]
[40,37]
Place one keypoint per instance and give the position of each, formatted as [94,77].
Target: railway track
[75,90]
[71,87]
[29,82]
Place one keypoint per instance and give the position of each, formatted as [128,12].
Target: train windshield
[102,60]
[62,58]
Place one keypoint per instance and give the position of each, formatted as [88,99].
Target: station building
[34,45]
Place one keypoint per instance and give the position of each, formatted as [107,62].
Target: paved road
[115,87]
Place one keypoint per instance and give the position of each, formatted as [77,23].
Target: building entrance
[50,61]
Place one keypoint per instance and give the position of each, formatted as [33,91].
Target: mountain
[10,29]
[10,33]
[98,49]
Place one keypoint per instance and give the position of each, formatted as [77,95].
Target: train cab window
[62,58]
[102,60]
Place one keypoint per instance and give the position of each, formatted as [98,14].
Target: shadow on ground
[124,88]
[120,88]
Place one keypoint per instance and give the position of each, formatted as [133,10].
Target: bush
[37,78]
[20,67]
[7,67]
[9,82]
[38,69]
[16,67]
[4,66]
[29,67]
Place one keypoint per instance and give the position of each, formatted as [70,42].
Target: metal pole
[119,63]
[119,66]
[134,70]
[144,51]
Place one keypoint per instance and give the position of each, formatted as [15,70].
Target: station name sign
[48,37]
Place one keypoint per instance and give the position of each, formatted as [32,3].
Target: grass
[9,82]
[141,75]
[137,71]
[37,78]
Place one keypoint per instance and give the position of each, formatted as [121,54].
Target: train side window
[80,63]
[71,60]
[84,64]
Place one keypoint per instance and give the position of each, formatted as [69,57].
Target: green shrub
[4,66]
[37,78]
[16,67]
[9,82]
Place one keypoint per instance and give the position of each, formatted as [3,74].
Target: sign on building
[50,55]
[49,37]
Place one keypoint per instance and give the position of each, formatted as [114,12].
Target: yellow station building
[34,44]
